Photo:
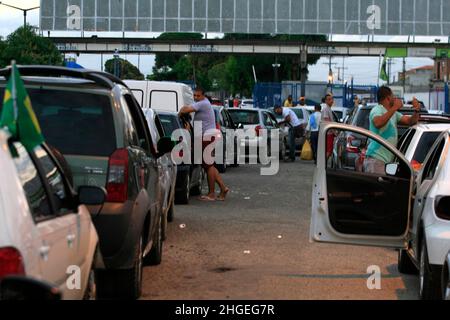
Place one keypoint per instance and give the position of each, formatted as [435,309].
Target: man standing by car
[384,119]
[313,129]
[289,103]
[296,129]
[204,115]
[327,116]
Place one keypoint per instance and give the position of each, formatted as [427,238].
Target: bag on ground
[307,153]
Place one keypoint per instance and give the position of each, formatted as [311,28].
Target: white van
[161,96]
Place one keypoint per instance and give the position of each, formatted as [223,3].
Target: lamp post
[25,11]
[276,66]
[330,79]
[117,63]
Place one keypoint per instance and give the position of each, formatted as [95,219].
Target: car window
[267,121]
[138,125]
[55,180]
[405,140]
[159,127]
[226,123]
[74,122]
[361,119]
[170,123]
[274,120]
[245,117]
[32,185]
[426,142]
[164,100]
[431,166]
[299,114]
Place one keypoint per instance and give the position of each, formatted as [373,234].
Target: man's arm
[412,120]
[187,110]
[381,121]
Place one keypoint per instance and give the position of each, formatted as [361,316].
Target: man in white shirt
[313,129]
[295,127]
[327,115]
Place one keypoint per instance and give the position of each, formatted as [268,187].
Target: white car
[45,233]
[418,140]
[247,103]
[387,209]
[446,278]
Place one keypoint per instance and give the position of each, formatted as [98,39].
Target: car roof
[425,127]
[167,113]
[245,109]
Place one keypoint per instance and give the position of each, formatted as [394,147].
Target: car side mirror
[165,145]
[22,288]
[91,196]
[392,169]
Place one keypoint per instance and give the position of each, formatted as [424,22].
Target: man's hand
[416,105]
[398,104]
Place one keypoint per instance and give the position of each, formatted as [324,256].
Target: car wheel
[154,258]
[429,279]
[183,196]
[122,284]
[405,264]
[170,213]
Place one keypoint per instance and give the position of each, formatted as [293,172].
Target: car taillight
[442,207]
[416,165]
[350,148]
[258,130]
[11,262]
[117,186]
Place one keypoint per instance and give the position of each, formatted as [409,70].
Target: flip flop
[222,198]
[206,199]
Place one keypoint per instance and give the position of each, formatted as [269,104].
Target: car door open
[363,204]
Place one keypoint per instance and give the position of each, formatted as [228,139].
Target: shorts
[330,144]
[205,165]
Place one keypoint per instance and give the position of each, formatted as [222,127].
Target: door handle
[44,252]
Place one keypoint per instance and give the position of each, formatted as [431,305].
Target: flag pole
[379,70]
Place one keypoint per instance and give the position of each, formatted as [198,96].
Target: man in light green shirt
[384,119]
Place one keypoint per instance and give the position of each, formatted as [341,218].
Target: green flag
[17,113]
[383,72]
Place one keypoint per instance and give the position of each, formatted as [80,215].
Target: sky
[364,70]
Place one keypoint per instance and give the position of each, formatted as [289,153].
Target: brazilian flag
[383,73]
[17,114]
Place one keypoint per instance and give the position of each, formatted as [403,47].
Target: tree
[127,70]
[26,47]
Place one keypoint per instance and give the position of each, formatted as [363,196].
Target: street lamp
[25,11]
[330,79]
[275,70]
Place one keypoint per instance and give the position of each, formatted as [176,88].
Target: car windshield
[299,113]
[170,123]
[339,114]
[74,122]
[245,117]
[426,142]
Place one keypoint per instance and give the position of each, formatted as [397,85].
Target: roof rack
[101,78]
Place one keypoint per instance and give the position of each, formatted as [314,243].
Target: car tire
[182,197]
[122,284]
[154,257]
[429,279]
[405,264]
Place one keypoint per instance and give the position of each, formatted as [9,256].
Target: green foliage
[128,71]
[26,47]
[232,73]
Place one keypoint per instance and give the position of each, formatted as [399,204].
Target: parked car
[22,288]
[168,168]
[446,278]
[253,121]
[303,115]
[418,140]
[45,225]
[189,175]
[97,124]
[161,95]
[224,123]
[361,208]
[247,104]
[341,112]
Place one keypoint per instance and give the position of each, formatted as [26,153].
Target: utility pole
[25,11]
[404,76]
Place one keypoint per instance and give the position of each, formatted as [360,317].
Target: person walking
[313,129]
[384,119]
[295,127]
[204,116]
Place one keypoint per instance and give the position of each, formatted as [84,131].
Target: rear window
[170,124]
[245,117]
[426,142]
[362,119]
[75,123]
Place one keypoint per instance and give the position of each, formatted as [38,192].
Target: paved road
[256,246]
